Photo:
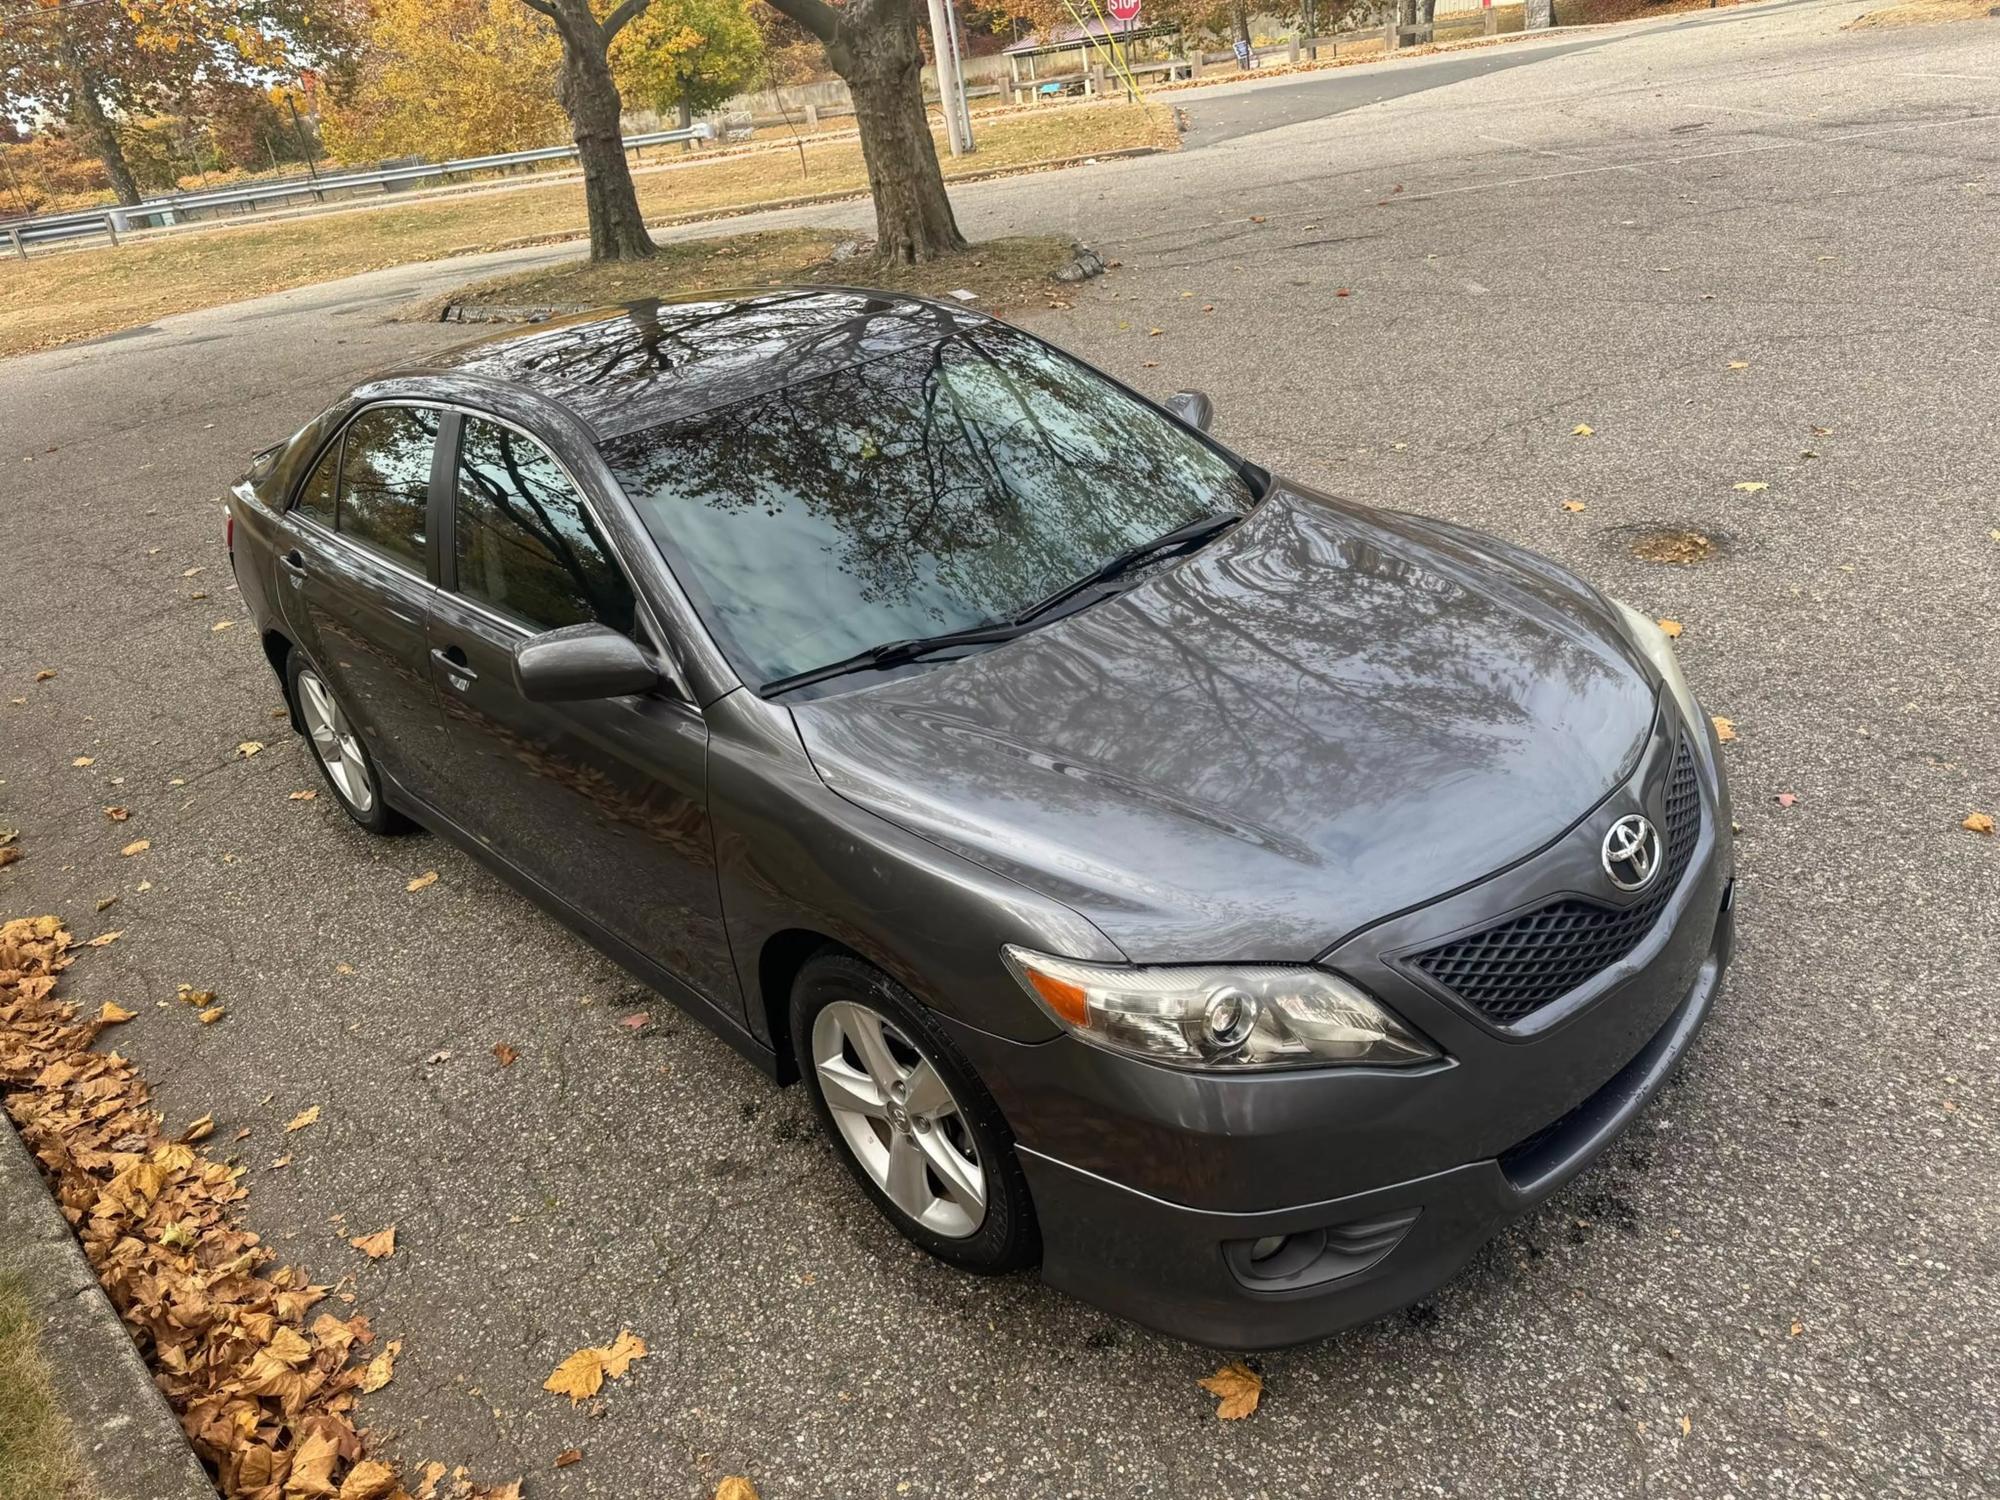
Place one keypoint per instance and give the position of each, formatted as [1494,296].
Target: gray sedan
[1236,900]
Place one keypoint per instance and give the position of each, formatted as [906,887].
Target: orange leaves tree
[92,62]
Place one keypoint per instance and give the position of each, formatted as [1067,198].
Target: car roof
[641,364]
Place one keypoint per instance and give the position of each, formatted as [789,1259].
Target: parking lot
[1757,257]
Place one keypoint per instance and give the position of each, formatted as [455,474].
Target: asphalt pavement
[1759,258]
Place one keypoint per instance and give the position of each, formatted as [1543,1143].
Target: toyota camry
[1236,900]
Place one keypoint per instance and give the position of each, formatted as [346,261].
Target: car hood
[1327,716]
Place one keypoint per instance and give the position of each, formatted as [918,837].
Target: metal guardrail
[48,228]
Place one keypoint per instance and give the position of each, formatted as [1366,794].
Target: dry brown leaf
[84,760]
[137,846]
[582,1374]
[117,814]
[45,674]
[1672,629]
[248,748]
[736,1487]
[1978,822]
[382,1368]
[371,1479]
[506,1054]
[105,939]
[1686,1427]
[279,1163]
[1583,429]
[376,1246]
[213,1014]
[200,1130]
[303,1118]
[1725,729]
[112,1013]
[568,1456]
[222,625]
[429,877]
[1797,1328]
[1573,506]
[1739,364]
[312,1467]
[635,1021]
[1238,1388]
[1750,486]
[305,796]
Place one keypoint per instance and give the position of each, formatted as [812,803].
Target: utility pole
[956,28]
[941,54]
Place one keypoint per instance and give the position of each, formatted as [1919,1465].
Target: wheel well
[778,964]
[278,651]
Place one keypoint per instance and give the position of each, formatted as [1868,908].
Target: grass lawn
[56,297]
[38,1458]
[1004,273]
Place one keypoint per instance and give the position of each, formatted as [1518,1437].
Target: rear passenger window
[385,476]
[527,545]
[316,494]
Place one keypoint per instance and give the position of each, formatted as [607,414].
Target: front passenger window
[527,545]
[385,480]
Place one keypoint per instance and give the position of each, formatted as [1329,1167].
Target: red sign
[1125,10]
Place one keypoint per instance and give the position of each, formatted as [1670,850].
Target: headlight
[1643,632]
[1255,1016]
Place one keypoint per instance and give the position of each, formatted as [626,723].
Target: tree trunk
[686,119]
[88,110]
[875,50]
[1242,23]
[590,99]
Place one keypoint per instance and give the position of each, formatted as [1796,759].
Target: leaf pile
[265,1396]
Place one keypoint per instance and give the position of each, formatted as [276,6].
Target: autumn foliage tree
[687,55]
[94,63]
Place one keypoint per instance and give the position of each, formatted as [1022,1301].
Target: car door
[357,564]
[602,803]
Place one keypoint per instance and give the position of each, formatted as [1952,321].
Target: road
[1756,251]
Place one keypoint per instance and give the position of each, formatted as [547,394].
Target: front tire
[907,1115]
[337,749]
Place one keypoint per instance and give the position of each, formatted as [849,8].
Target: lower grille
[1512,969]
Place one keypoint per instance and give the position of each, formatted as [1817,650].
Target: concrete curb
[130,1441]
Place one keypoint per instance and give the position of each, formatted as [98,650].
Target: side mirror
[580,662]
[1193,408]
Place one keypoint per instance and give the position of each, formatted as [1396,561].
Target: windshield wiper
[1180,539]
[896,653]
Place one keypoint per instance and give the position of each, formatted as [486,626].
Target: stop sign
[1125,10]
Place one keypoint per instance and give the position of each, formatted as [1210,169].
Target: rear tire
[910,1119]
[336,746]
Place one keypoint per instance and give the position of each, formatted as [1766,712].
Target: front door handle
[457,670]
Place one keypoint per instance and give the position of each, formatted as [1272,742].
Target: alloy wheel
[334,743]
[898,1117]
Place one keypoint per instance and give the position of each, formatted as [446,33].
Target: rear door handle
[295,564]
[458,671]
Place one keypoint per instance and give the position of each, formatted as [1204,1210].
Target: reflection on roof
[645,363]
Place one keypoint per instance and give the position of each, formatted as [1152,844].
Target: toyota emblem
[1632,852]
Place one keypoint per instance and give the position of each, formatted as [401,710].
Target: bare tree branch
[543,6]
[626,13]
[815,15]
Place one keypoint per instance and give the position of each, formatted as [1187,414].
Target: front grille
[1514,968]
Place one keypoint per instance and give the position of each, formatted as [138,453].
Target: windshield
[928,491]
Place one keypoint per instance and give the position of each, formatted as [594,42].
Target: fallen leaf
[45,674]
[377,1246]
[222,625]
[1583,429]
[112,1013]
[84,760]
[582,1374]
[1343,292]
[735,1487]
[200,1130]
[105,903]
[248,748]
[429,877]
[569,1456]
[1256,218]
[303,1118]
[634,1021]
[1978,822]
[1739,364]
[312,1465]
[1573,506]
[505,1053]
[306,796]
[106,939]
[278,1163]
[371,1479]
[1750,486]
[1797,1329]
[1725,729]
[1686,1427]
[1239,1388]
[1785,799]
[1153,333]
[213,1014]
[137,846]
[1671,629]
[382,1368]
[117,814]
[8,856]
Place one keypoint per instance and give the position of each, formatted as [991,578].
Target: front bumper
[1165,1265]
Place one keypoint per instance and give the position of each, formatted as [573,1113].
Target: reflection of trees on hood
[948,481]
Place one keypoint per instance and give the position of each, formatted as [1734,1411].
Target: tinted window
[927,490]
[526,544]
[385,475]
[316,494]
